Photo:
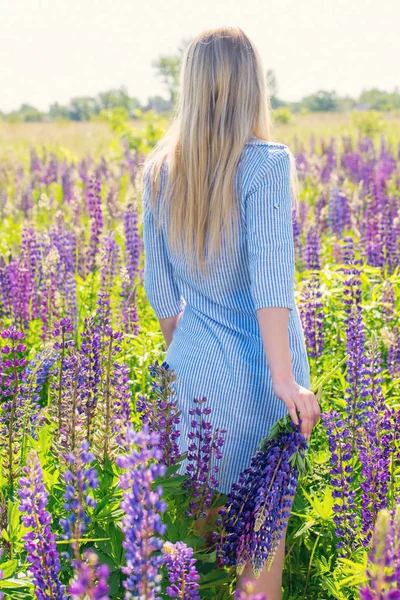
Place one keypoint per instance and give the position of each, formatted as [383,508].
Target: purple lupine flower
[161,412]
[356,391]
[12,390]
[66,243]
[338,211]
[393,357]
[298,246]
[376,447]
[62,329]
[90,579]
[114,400]
[33,379]
[129,273]
[18,290]
[49,309]
[247,592]
[383,569]
[40,542]
[108,263]
[70,389]
[91,366]
[182,572]
[204,447]
[342,458]
[388,302]
[312,249]
[142,505]
[132,241]
[121,411]
[30,255]
[80,480]
[259,503]
[312,316]
[96,220]
[103,312]
[330,155]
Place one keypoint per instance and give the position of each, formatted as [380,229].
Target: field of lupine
[91,503]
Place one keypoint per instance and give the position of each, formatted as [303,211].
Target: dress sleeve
[161,289]
[269,232]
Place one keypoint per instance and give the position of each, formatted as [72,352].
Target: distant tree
[322,101]
[376,99]
[168,68]
[82,109]
[272,83]
[158,104]
[30,113]
[117,98]
[346,103]
[26,112]
[57,111]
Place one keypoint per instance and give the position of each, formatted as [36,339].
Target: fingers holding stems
[300,402]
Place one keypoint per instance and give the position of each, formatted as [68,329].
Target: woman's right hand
[295,396]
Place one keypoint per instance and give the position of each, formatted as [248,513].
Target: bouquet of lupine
[259,503]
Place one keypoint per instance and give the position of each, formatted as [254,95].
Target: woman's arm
[272,273]
[273,323]
[168,327]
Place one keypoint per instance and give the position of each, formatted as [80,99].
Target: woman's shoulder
[261,157]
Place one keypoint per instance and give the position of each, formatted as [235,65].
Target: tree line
[167,68]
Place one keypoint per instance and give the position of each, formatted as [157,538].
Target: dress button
[276,205]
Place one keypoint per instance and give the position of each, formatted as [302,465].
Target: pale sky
[53,50]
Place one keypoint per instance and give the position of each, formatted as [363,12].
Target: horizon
[75,51]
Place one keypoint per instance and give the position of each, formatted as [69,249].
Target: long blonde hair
[222,100]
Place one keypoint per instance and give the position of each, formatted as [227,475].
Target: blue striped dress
[217,349]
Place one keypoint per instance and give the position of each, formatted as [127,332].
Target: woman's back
[217,349]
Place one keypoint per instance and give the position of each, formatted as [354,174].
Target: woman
[219,258]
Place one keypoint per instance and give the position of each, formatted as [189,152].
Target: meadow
[91,501]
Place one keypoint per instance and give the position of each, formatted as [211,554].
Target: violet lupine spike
[30,254]
[376,448]
[108,263]
[203,451]
[312,317]
[40,542]
[383,569]
[247,592]
[66,244]
[258,506]
[80,481]
[388,302]
[113,407]
[160,411]
[356,392]
[121,412]
[92,371]
[132,241]
[90,579]
[17,287]
[48,305]
[96,221]
[182,572]
[312,249]
[338,211]
[142,505]
[69,391]
[13,401]
[33,378]
[129,273]
[342,458]
[393,357]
